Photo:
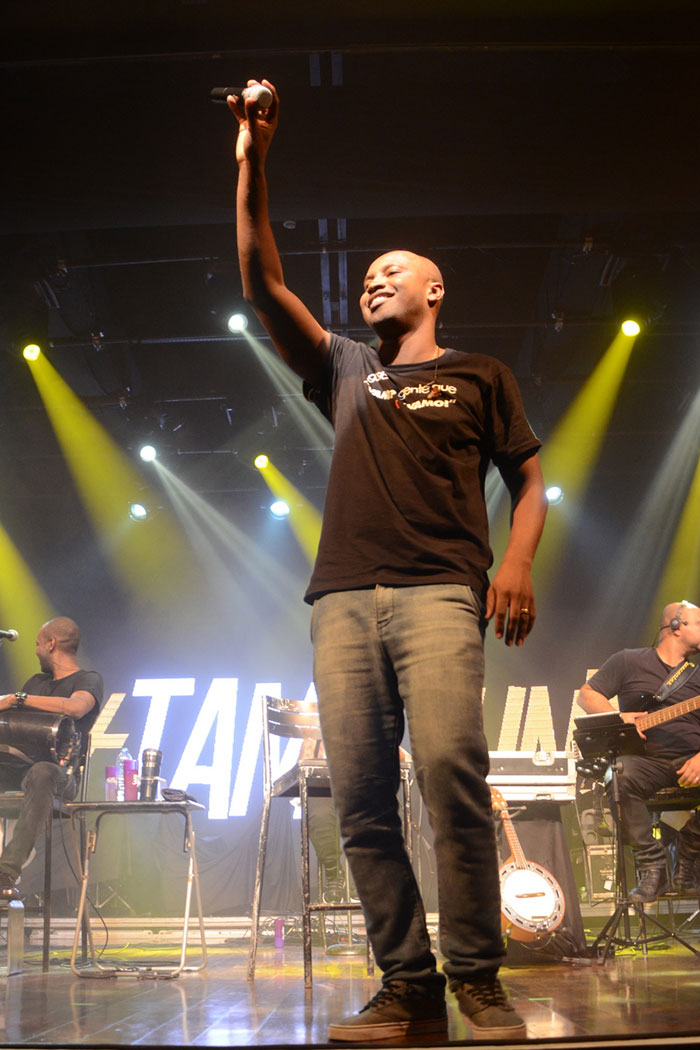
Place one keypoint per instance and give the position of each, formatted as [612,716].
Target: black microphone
[258,93]
[11,635]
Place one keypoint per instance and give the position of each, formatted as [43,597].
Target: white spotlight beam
[311,424]
[648,542]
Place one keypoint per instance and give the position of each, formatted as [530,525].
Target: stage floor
[628,996]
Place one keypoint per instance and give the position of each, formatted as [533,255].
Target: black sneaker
[334,887]
[485,1005]
[400,1011]
[686,880]
[653,881]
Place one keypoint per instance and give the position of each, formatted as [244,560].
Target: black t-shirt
[405,501]
[633,672]
[45,685]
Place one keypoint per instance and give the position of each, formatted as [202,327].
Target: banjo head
[532,901]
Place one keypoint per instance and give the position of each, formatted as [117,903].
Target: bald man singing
[664,674]
[401,599]
[61,687]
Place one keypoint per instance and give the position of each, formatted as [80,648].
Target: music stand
[606,736]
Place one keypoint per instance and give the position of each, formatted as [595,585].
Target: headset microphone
[675,623]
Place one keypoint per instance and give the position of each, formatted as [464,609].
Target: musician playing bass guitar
[649,683]
[61,688]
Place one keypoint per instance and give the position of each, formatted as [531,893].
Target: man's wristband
[21,699]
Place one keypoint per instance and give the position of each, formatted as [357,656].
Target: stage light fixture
[279,509]
[638,288]
[631,327]
[148,453]
[137,512]
[554,494]
[237,323]
[31,351]
[261,461]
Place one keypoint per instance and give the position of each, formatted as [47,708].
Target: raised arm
[297,335]
[511,595]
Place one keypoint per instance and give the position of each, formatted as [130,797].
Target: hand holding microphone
[256,123]
[257,92]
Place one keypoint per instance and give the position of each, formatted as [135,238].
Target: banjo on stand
[532,901]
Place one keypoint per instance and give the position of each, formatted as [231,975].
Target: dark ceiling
[547,160]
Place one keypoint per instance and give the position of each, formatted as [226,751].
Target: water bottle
[122,757]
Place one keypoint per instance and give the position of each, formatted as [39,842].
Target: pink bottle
[131,780]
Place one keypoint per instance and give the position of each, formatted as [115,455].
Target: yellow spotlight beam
[571,453]
[152,557]
[569,456]
[23,607]
[304,519]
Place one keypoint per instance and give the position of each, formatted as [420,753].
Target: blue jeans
[380,653]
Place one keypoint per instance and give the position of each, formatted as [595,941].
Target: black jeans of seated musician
[44,782]
[640,777]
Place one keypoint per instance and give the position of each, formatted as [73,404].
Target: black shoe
[485,1005]
[334,887]
[686,880]
[8,887]
[653,881]
[400,1011]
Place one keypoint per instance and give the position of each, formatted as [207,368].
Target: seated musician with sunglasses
[61,688]
[665,675]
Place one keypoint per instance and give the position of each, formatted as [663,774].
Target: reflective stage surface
[627,996]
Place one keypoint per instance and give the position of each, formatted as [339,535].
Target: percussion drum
[29,736]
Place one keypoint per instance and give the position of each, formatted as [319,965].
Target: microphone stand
[608,935]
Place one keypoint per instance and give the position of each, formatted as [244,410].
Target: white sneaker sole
[389,1032]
